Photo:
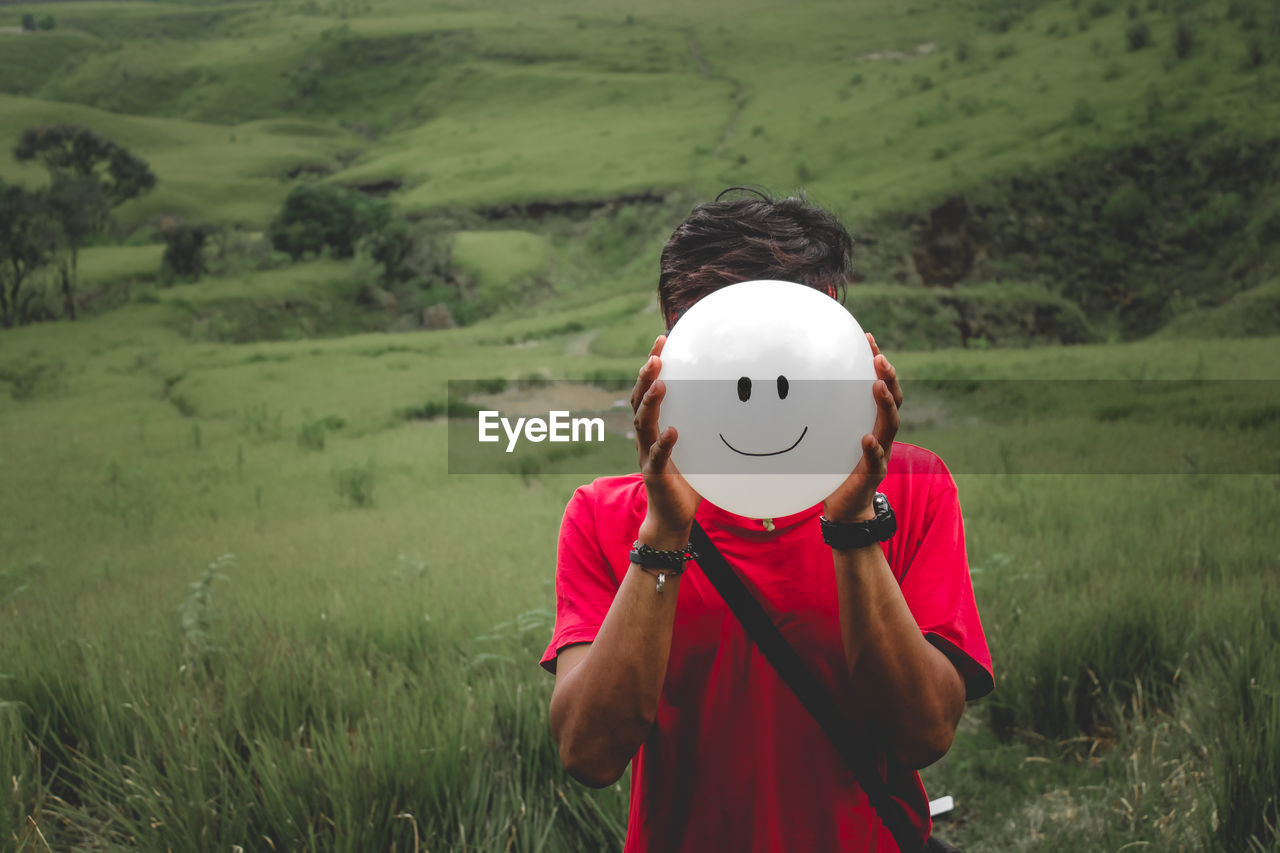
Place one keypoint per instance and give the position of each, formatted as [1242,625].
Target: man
[723,754]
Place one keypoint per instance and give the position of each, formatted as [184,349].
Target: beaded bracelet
[661,563]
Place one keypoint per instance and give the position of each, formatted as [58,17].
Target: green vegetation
[358,201]
[316,217]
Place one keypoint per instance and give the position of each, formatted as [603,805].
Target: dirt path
[738,97]
[922,49]
[695,50]
[581,344]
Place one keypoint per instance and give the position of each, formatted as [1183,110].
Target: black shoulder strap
[797,675]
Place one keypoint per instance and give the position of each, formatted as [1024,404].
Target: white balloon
[769,386]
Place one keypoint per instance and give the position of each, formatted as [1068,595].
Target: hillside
[867,105]
[878,111]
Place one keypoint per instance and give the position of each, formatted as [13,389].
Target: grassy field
[368,651]
[245,605]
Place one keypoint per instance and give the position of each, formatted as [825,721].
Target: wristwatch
[860,534]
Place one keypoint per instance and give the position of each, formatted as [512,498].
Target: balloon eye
[783,387]
[744,389]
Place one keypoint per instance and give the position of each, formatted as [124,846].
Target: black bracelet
[846,536]
[651,558]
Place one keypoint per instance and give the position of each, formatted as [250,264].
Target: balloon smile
[773,453]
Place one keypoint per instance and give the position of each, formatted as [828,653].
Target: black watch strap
[859,534]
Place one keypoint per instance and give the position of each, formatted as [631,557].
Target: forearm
[914,694]
[602,711]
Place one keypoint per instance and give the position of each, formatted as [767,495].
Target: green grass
[28,60]
[347,628]
[361,673]
[105,265]
[495,258]
[1251,312]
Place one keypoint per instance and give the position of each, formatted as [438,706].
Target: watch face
[881,504]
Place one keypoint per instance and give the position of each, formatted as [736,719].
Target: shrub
[28,22]
[233,252]
[1183,39]
[47,22]
[390,247]
[184,250]
[963,50]
[427,411]
[30,379]
[1125,209]
[1224,212]
[1137,34]
[354,484]
[260,423]
[184,404]
[1082,112]
[1254,52]
[311,435]
[1153,103]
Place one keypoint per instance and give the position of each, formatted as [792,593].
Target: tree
[319,215]
[81,210]
[90,176]
[26,241]
[28,22]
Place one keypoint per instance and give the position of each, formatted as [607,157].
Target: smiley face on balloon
[769,386]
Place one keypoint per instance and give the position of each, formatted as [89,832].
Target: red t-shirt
[735,762]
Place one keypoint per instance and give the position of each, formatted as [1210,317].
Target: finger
[646,419]
[660,451]
[887,418]
[658,343]
[871,339]
[648,372]
[877,460]
[889,374]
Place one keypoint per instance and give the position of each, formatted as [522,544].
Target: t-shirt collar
[710,513]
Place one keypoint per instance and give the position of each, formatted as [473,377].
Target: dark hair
[759,237]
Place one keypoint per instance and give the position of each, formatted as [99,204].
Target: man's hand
[852,501]
[672,501]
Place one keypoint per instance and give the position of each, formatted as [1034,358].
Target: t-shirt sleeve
[939,590]
[585,581]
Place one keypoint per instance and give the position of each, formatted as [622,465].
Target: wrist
[844,535]
[850,514]
[663,537]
